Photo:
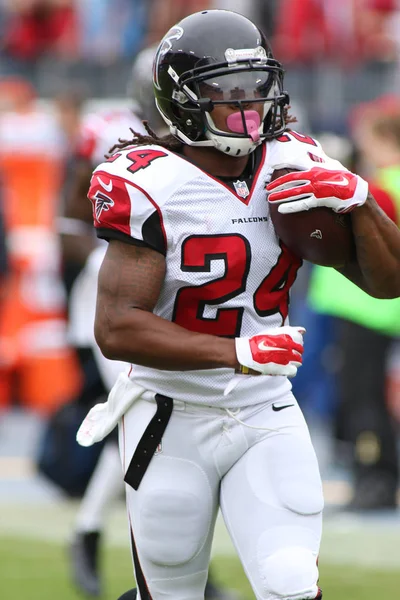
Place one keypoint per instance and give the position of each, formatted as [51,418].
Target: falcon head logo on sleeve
[101,202]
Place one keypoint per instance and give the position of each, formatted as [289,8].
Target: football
[319,235]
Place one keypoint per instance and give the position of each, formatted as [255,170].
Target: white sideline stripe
[346,540]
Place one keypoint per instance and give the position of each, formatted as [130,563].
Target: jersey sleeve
[124,211]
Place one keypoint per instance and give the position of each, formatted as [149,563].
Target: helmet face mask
[192,81]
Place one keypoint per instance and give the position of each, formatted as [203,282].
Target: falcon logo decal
[101,202]
[165,46]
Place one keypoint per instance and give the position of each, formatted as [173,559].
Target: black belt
[149,441]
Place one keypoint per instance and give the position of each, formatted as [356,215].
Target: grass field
[38,571]
[360,560]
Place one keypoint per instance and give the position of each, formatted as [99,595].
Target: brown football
[319,235]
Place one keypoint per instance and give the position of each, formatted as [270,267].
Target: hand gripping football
[319,235]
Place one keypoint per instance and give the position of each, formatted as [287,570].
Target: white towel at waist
[102,418]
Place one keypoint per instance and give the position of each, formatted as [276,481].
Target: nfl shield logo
[241,188]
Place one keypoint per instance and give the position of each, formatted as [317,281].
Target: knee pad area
[290,574]
[174,526]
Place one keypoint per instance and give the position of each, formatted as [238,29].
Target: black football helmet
[219,57]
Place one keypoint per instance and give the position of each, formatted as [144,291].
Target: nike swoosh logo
[278,408]
[107,186]
[263,346]
[343,182]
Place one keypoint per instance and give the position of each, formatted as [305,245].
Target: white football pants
[264,476]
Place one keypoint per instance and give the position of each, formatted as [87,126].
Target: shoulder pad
[298,151]
[154,169]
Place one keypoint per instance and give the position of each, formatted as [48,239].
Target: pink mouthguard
[253,122]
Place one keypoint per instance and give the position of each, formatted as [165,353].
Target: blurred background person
[35,28]
[58,457]
[333,50]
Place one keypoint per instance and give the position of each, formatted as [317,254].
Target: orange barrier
[37,367]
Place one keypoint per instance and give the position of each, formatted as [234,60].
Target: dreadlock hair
[170,142]
[288,118]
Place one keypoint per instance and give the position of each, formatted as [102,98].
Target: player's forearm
[378,250]
[142,338]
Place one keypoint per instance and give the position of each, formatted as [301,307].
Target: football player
[194,293]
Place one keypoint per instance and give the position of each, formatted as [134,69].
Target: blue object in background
[314,385]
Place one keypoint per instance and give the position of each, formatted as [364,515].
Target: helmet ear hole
[190,120]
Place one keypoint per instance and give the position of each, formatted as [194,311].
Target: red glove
[274,351]
[342,191]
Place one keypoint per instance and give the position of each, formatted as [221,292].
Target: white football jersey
[227,272]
